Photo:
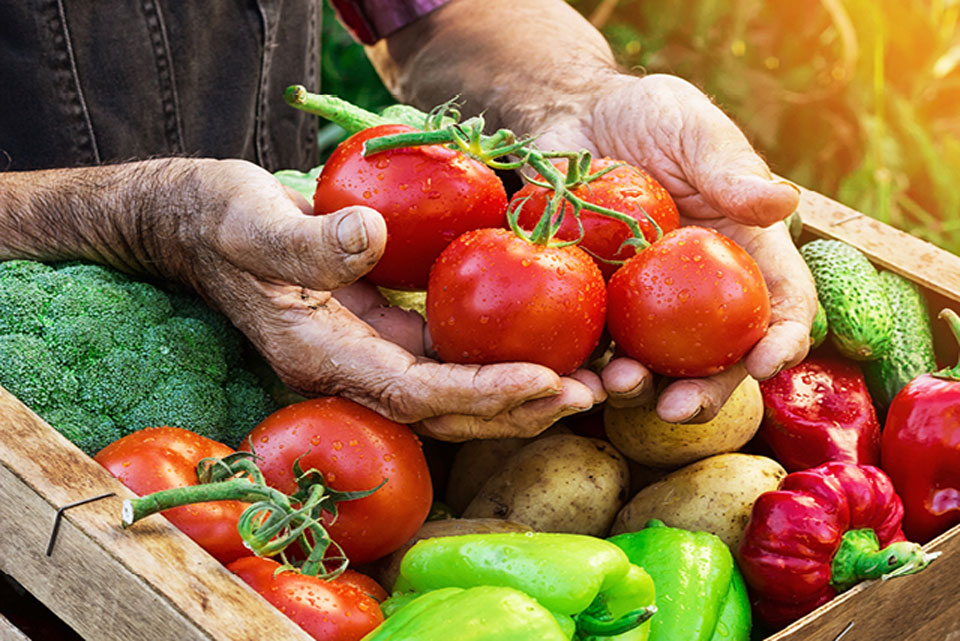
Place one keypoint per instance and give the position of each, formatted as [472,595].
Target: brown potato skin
[713,495]
[643,437]
[478,460]
[561,483]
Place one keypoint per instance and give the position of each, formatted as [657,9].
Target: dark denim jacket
[85,82]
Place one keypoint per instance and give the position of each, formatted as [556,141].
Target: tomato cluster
[691,305]
[353,448]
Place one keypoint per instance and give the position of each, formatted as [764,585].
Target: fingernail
[692,418]
[352,234]
[788,184]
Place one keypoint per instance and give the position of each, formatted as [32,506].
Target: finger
[592,382]
[525,421]
[265,233]
[298,199]
[697,400]
[785,345]
[627,382]
[402,327]
[793,299]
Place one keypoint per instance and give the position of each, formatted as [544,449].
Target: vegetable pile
[99,355]
[614,525]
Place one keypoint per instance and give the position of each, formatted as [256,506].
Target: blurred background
[857,99]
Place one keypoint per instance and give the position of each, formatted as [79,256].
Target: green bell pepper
[486,613]
[570,574]
[701,595]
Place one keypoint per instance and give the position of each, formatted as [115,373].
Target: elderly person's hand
[285,280]
[230,230]
[718,181]
[538,67]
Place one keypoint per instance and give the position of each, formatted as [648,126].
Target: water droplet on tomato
[367,194]
[683,296]
[383,163]
[697,258]
[668,281]
[354,442]
[484,319]
[126,464]
[315,440]
[380,176]
[525,262]
[433,195]
[264,439]
[331,476]
[337,445]
[403,187]
[387,458]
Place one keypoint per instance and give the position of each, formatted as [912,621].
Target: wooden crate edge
[186,593]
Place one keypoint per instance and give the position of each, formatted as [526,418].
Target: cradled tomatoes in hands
[427,195]
[494,297]
[626,189]
[355,449]
[690,305]
[329,610]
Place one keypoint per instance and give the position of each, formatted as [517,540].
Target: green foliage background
[857,99]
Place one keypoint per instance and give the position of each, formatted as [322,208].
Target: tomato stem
[273,521]
[336,110]
[442,128]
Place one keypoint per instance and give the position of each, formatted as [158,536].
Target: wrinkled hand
[668,127]
[252,252]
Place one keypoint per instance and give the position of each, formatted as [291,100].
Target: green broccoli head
[30,372]
[88,431]
[99,355]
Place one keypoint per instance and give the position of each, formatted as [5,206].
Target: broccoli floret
[118,381]
[99,355]
[90,432]
[22,304]
[232,341]
[186,400]
[248,405]
[30,372]
[186,344]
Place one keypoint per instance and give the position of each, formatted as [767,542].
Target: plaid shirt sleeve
[371,20]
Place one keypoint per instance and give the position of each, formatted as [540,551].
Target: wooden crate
[152,582]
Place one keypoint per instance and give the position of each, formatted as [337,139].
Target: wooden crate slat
[922,262]
[110,584]
[9,632]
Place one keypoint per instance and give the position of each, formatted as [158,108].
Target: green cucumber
[852,294]
[818,331]
[911,353]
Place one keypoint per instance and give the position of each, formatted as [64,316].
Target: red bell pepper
[825,530]
[921,448]
[819,411]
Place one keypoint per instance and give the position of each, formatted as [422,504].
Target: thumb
[318,252]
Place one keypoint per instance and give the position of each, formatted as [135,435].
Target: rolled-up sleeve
[371,20]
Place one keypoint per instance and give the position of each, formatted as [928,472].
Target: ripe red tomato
[161,458]
[627,189]
[494,297]
[327,610]
[355,449]
[364,583]
[690,305]
[427,195]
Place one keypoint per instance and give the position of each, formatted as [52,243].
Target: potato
[561,483]
[643,437]
[476,461]
[387,569]
[713,495]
